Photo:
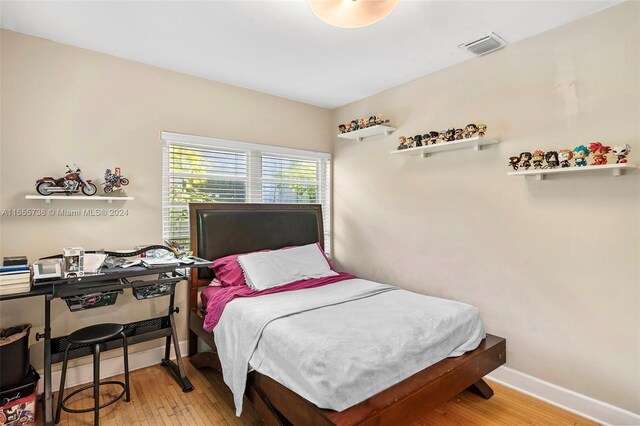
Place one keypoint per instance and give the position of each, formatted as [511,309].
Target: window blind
[198,169]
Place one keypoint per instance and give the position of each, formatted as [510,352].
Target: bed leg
[264,409]
[193,343]
[481,388]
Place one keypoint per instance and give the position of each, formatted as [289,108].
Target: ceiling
[280,47]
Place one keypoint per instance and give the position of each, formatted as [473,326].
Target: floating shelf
[48,198]
[476,143]
[368,132]
[615,169]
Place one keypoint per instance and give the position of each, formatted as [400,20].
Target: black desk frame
[136,332]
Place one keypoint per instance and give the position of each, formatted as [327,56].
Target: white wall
[62,105]
[553,265]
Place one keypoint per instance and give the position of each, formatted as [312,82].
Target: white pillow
[263,270]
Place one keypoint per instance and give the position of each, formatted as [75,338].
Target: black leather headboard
[221,229]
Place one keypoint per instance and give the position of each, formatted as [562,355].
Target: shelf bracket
[477,147]
[360,139]
[617,172]
[425,155]
[47,201]
[540,177]
[387,132]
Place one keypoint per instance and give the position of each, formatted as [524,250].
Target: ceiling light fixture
[351,13]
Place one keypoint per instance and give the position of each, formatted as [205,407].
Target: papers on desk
[152,262]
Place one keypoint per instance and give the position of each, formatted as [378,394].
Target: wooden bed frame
[219,229]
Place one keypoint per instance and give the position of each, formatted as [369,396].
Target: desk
[137,332]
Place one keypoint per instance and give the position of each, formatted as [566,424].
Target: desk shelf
[48,198]
[540,174]
[368,132]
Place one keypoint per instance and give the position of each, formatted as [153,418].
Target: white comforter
[342,343]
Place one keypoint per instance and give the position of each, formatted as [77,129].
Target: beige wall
[553,265]
[63,105]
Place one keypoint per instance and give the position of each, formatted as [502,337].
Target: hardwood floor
[156,399]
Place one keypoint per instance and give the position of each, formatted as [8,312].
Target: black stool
[94,335]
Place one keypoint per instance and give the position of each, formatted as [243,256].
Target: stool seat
[95,333]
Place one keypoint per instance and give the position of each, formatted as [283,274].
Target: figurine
[525,160]
[621,152]
[459,135]
[372,121]
[409,142]
[565,155]
[114,180]
[482,129]
[536,160]
[451,135]
[401,141]
[71,183]
[442,137]
[418,140]
[354,125]
[426,139]
[551,157]
[380,120]
[361,123]
[433,137]
[599,152]
[342,128]
[470,131]
[580,153]
[513,162]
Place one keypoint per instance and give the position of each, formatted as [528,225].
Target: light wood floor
[156,399]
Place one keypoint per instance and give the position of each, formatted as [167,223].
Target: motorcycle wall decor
[71,183]
[114,181]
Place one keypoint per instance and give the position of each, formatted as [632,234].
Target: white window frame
[254,152]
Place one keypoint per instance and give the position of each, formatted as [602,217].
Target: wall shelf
[368,132]
[615,169]
[424,151]
[48,198]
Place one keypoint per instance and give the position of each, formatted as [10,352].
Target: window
[199,169]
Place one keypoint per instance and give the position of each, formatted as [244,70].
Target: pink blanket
[214,299]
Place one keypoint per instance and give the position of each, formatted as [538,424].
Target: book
[6,269]
[22,288]
[15,261]
[15,279]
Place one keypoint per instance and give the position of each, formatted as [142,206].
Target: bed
[219,229]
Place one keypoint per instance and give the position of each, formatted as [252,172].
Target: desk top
[47,287]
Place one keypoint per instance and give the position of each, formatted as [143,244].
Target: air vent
[484,45]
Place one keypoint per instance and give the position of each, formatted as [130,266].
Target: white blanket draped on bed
[342,343]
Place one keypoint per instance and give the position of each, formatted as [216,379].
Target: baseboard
[109,367]
[582,405]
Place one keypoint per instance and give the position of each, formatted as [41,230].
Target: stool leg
[125,348]
[62,379]
[96,384]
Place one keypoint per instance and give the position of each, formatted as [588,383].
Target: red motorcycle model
[71,183]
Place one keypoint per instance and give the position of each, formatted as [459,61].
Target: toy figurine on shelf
[442,137]
[451,135]
[401,141]
[354,126]
[599,152]
[342,128]
[621,152]
[426,139]
[459,135]
[371,121]
[470,131]
[551,157]
[409,142]
[580,154]
[536,160]
[513,162]
[418,140]
[361,123]
[380,120]
[565,155]
[482,129]
[433,137]
[525,160]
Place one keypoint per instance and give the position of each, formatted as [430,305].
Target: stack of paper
[14,279]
